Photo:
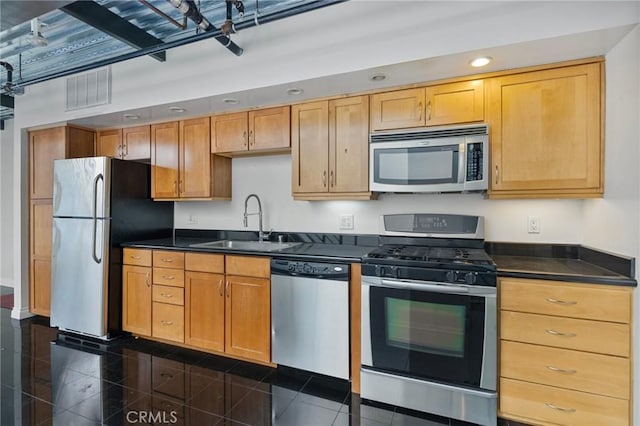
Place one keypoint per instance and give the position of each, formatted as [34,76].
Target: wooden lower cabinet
[204,310]
[168,322]
[565,353]
[248,317]
[40,297]
[136,299]
[41,224]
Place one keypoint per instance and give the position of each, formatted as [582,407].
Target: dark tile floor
[52,378]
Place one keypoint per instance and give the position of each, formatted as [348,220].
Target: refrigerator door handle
[95,217]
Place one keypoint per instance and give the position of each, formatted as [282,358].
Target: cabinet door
[109,143]
[229,132]
[270,128]
[546,132]
[40,231]
[195,159]
[44,147]
[136,299]
[204,310]
[310,147]
[349,144]
[164,160]
[455,103]
[136,143]
[398,109]
[248,317]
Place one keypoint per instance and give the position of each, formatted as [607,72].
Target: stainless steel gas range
[429,318]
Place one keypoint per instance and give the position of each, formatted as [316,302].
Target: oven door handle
[425,286]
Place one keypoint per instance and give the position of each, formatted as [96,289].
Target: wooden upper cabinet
[398,109]
[270,129]
[258,130]
[330,149]
[454,103]
[546,133]
[48,145]
[182,164]
[165,159]
[229,132]
[442,104]
[136,143]
[349,144]
[195,159]
[130,143]
[109,143]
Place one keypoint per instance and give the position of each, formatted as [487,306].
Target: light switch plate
[346,222]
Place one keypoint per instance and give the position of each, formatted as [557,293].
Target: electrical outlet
[533,225]
[346,221]
[193,219]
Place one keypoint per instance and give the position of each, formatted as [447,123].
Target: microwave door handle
[461,162]
[435,288]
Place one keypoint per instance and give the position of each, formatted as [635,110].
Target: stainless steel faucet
[261,235]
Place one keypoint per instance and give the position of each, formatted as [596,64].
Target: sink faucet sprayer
[261,234]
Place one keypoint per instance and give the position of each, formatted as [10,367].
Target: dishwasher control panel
[333,271]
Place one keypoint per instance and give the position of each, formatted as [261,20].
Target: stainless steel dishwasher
[310,316]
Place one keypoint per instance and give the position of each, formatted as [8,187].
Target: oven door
[430,331]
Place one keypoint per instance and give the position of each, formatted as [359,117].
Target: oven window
[426,334]
[426,327]
[416,166]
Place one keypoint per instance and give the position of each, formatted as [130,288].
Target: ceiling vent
[89,89]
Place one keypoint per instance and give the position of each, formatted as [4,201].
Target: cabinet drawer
[561,406]
[168,322]
[168,259]
[248,266]
[168,377]
[568,333]
[167,294]
[204,262]
[587,301]
[171,277]
[138,257]
[583,371]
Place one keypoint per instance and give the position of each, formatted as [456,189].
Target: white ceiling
[429,41]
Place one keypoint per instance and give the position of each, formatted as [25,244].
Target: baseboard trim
[20,313]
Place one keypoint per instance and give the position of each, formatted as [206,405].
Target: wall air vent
[89,89]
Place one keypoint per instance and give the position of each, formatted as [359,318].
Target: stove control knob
[291,267]
[380,271]
[470,278]
[395,272]
[452,276]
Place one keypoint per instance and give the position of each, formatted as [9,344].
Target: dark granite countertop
[558,262]
[311,247]
[562,262]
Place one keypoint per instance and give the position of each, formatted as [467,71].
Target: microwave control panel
[474,161]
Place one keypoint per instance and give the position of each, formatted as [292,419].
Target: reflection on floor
[50,378]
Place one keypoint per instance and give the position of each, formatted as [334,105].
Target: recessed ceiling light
[230,101]
[295,91]
[481,61]
[130,116]
[378,77]
[177,109]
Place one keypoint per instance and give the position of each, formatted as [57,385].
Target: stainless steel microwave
[440,159]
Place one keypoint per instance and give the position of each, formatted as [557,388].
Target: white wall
[270,178]
[6,204]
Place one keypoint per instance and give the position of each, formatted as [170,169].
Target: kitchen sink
[246,245]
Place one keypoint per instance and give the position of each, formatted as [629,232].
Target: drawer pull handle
[136,257]
[166,322]
[167,260]
[561,370]
[168,277]
[166,375]
[168,296]
[564,410]
[557,333]
[561,302]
